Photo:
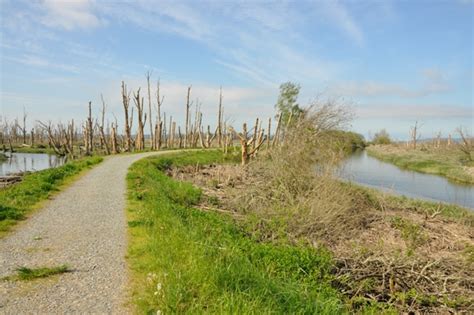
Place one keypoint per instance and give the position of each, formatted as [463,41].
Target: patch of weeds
[412,233]
[27,274]
[468,253]
[213,200]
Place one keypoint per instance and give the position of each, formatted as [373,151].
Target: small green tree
[382,137]
[287,104]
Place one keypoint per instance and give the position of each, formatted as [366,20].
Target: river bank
[449,163]
[210,246]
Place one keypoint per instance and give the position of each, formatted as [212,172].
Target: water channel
[368,171]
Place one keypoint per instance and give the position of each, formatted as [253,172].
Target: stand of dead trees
[96,135]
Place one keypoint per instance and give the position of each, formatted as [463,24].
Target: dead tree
[180,138]
[165,135]
[23,127]
[152,139]
[269,132]
[101,128]
[89,132]
[255,133]
[55,143]
[438,140]
[170,140]
[113,138]
[246,143]
[414,134]
[140,139]
[186,128]
[465,146]
[173,133]
[219,120]
[126,105]
[277,131]
[159,123]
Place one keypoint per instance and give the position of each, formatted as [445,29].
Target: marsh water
[368,171]
[21,162]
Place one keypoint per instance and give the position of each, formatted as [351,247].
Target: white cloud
[70,14]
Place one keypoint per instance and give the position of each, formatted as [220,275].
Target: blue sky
[395,62]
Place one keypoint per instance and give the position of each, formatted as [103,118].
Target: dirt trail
[83,227]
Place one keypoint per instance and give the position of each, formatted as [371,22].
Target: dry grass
[417,261]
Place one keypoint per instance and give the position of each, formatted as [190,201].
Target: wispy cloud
[341,17]
[36,61]
[434,82]
[413,111]
[70,14]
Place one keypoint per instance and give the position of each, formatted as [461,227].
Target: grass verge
[447,163]
[184,260]
[19,199]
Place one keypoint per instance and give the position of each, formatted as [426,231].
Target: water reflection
[21,162]
[369,171]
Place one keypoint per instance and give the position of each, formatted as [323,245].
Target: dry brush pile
[412,258]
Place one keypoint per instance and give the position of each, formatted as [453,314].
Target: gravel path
[84,227]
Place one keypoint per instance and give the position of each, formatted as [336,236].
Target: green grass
[3,157]
[447,163]
[19,199]
[24,273]
[184,260]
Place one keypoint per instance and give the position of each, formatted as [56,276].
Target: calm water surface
[368,171]
[21,162]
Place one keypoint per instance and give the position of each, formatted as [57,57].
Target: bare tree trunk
[150,113]
[255,133]
[277,131]
[140,139]
[269,132]
[173,132]
[32,136]
[414,134]
[89,132]
[187,118]
[162,127]
[170,143]
[101,128]
[126,104]
[113,135]
[219,120]
[24,125]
